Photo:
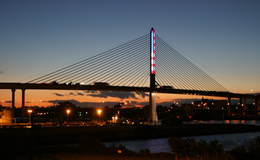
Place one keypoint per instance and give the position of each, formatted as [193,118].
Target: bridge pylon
[152,103]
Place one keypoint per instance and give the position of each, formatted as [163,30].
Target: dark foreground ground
[71,135]
[17,143]
[82,156]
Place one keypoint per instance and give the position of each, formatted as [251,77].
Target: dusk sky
[37,37]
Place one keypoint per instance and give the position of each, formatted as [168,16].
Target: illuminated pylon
[152,108]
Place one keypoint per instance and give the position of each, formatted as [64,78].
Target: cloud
[106,94]
[80,94]
[143,94]
[85,104]
[71,94]
[1,72]
[57,94]
[91,91]
[121,95]
[74,94]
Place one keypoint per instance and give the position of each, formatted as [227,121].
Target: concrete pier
[13,98]
[153,112]
[23,104]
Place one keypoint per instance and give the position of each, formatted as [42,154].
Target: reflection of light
[29,111]
[99,111]
[68,111]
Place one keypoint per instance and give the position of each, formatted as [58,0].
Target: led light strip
[152,51]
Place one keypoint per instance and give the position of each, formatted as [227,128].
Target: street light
[99,112]
[30,112]
[68,112]
[31,120]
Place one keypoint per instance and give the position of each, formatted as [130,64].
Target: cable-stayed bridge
[136,66]
[128,65]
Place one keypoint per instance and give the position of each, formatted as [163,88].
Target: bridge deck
[123,89]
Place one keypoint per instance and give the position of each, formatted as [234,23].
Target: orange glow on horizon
[46,98]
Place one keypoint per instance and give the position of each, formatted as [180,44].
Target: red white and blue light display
[152,51]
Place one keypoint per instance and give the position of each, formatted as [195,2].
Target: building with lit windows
[210,104]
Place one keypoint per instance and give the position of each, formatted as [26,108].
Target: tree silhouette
[189,147]
[61,111]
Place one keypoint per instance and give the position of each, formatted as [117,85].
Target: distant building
[127,104]
[6,116]
[210,104]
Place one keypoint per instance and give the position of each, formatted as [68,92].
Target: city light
[99,112]
[30,112]
[68,112]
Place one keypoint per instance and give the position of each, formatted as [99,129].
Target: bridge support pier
[244,106]
[152,108]
[13,102]
[229,106]
[23,104]
[13,98]
[256,106]
[241,105]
